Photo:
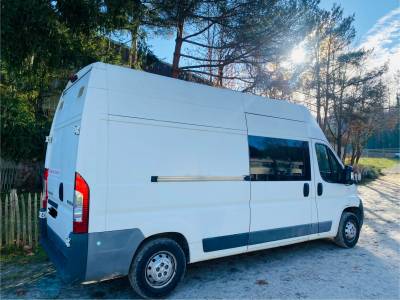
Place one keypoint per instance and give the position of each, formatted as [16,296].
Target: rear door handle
[306,190]
[320,189]
[61,191]
[53,212]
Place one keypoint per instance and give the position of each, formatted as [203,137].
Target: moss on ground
[21,256]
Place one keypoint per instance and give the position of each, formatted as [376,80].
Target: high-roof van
[145,174]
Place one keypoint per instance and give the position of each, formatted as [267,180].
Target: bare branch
[199,32]
[244,79]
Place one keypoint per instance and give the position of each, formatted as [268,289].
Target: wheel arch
[357,210]
[176,236]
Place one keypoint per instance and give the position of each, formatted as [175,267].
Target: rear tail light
[81,205]
[45,187]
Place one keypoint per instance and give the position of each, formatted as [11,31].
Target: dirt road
[316,269]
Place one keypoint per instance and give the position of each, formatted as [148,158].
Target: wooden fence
[19,225]
[8,173]
[22,175]
[383,152]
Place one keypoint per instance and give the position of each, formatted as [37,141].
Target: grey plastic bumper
[91,257]
[70,261]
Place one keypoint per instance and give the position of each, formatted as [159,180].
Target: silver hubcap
[160,269]
[350,231]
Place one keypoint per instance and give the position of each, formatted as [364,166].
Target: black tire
[151,256]
[348,231]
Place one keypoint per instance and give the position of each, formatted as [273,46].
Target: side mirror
[348,175]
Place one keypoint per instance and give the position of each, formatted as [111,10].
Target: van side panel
[148,96]
[273,108]
[140,149]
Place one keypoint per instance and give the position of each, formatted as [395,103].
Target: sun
[298,55]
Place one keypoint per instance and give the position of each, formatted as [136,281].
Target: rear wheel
[157,268]
[348,231]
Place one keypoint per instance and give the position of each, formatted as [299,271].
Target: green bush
[370,172]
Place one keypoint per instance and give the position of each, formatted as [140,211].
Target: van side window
[329,168]
[273,159]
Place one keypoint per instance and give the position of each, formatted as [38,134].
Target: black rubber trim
[361,215]
[263,236]
[52,203]
[225,242]
[53,212]
[76,81]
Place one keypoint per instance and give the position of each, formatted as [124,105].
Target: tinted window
[329,167]
[273,159]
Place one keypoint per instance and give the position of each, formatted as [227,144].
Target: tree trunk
[339,136]
[327,82]
[359,153]
[133,57]
[319,120]
[344,155]
[339,145]
[345,144]
[353,154]
[220,75]
[177,52]
[318,78]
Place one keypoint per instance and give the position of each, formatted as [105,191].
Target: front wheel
[348,231]
[157,268]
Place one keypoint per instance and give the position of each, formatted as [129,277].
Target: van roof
[122,79]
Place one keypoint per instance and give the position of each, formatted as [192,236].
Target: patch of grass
[21,256]
[379,163]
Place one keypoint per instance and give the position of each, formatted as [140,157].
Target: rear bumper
[91,257]
[71,262]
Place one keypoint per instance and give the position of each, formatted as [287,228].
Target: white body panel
[335,197]
[270,197]
[135,126]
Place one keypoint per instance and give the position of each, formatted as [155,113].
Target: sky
[377,24]
[368,15]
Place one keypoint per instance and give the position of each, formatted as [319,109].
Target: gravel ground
[315,269]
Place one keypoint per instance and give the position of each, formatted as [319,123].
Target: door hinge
[49,139]
[77,129]
[68,242]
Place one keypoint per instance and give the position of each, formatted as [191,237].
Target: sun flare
[298,55]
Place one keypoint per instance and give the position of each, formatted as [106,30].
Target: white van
[145,174]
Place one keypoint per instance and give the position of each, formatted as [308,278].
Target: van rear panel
[61,178]
[77,145]
[61,158]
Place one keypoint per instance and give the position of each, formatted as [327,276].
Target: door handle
[61,191]
[319,189]
[53,212]
[306,190]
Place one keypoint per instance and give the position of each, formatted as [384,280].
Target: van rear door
[61,158]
